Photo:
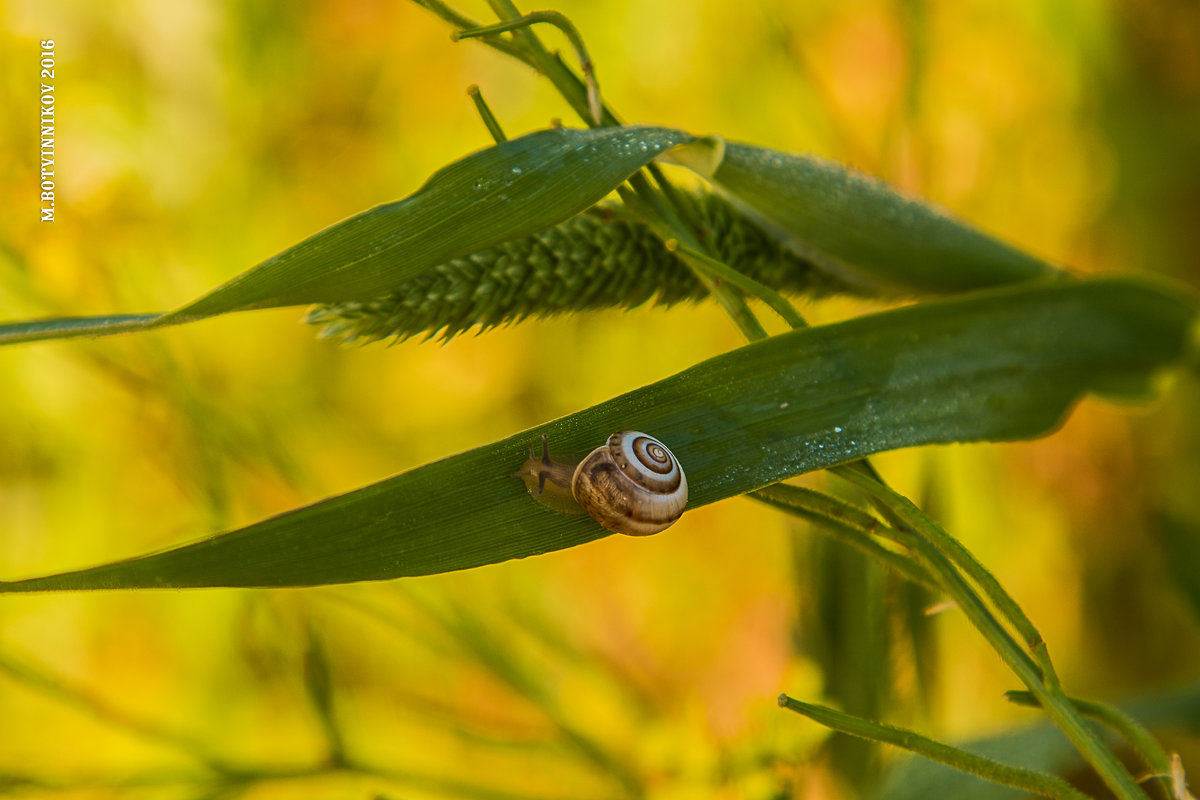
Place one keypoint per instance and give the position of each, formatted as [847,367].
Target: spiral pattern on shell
[632,485]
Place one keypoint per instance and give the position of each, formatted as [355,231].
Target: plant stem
[577,96]
[586,102]
[568,28]
[846,524]
[724,272]
[1129,729]
[653,212]
[485,113]
[459,21]
[1024,779]
[931,546]
[953,550]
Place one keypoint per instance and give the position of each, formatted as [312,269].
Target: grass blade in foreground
[857,227]
[500,193]
[503,192]
[1004,364]
[40,330]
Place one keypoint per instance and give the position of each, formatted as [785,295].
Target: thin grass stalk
[578,96]
[485,113]
[722,272]
[830,516]
[655,214]
[496,42]
[1140,740]
[1048,693]
[568,28]
[1004,774]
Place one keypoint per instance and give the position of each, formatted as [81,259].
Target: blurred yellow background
[195,139]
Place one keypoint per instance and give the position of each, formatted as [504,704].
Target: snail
[632,484]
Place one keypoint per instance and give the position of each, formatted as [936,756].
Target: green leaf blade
[859,228]
[505,192]
[996,365]
[512,189]
[38,330]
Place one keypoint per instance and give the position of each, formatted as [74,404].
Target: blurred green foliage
[195,139]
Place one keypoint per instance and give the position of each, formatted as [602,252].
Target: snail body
[632,484]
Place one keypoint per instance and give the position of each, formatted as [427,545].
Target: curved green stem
[654,213]
[568,28]
[584,98]
[723,272]
[845,523]
[1129,729]
[459,21]
[933,549]
[1018,778]
[485,113]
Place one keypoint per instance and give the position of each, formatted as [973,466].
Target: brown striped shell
[632,484]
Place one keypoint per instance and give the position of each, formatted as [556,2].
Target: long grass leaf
[504,192]
[998,365]
[856,226]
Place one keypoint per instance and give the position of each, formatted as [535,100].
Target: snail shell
[632,484]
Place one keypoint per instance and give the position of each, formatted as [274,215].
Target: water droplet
[837,429]
[516,170]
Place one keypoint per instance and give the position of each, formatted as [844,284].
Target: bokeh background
[195,139]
